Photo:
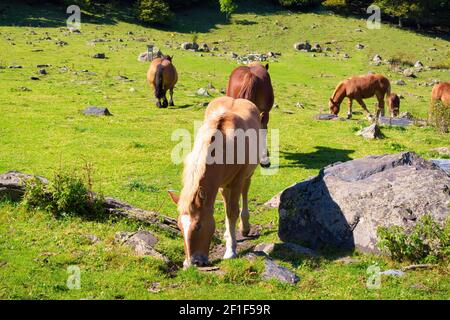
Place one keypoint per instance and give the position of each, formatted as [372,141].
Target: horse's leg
[350,105]
[245,215]
[171,97]
[165,103]
[363,105]
[380,110]
[231,199]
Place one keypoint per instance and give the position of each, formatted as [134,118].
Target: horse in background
[162,76]
[440,92]
[253,83]
[359,88]
[394,105]
[225,117]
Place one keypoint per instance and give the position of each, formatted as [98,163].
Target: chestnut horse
[206,172]
[394,105]
[440,92]
[359,88]
[163,76]
[253,83]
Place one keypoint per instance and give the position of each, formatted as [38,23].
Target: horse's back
[238,109]
[170,75]
[441,91]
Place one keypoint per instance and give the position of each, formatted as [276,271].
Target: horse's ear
[174,196]
[267,66]
[263,116]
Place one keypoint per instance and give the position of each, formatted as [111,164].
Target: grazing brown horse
[253,83]
[163,76]
[440,92]
[359,88]
[394,105]
[214,166]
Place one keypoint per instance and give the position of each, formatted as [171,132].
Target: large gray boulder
[343,206]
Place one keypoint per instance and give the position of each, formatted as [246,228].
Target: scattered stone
[99,56]
[345,201]
[132,89]
[234,55]
[418,65]
[371,132]
[61,43]
[392,272]
[406,115]
[316,48]
[418,266]
[300,105]
[246,59]
[203,92]
[97,111]
[97,40]
[74,30]
[302,46]
[400,83]
[409,73]
[34,78]
[326,116]
[360,46]
[346,56]
[274,271]
[142,242]
[15,67]
[358,30]
[287,111]
[92,238]
[189,46]
[400,121]
[203,47]
[24,89]
[347,260]
[42,66]
[42,71]
[377,60]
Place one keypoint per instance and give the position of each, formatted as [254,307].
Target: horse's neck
[339,93]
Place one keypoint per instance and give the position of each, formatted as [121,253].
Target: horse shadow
[321,157]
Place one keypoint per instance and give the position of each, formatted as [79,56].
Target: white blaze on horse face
[186,223]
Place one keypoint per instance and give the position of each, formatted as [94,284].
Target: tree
[227,7]
[153,11]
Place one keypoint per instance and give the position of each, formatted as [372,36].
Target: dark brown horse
[162,76]
[253,83]
[441,92]
[394,105]
[359,88]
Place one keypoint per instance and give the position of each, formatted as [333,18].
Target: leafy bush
[67,194]
[300,4]
[440,116]
[153,11]
[227,7]
[427,242]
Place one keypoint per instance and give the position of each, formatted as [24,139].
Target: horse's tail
[159,81]
[248,90]
[388,95]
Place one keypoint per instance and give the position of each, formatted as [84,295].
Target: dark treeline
[420,13]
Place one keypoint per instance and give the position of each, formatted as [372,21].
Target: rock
[377,60]
[34,78]
[360,46]
[409,73]
[400,83]
[343,206]
[371,132]
[358,30]
[302,46]
[346,260]
[444,164]
[234,55]
[142,242]
[189,46]
[418,65]
[394,273]
[15,67]
[74,30]
[402,122]
[132,89]
[203,47]
[203,92]
[99,56]
[246,59]
[274,202]
[266,248]
[274,271]
[42,71]
[346,56]
[316,48]
[300,105]
[97,111]
[12,185]
[326,116]
[61,43]
[406,115]
[92,238]
[42,66]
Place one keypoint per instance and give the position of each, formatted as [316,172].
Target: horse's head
[334,107]
[197,227]
[167,57]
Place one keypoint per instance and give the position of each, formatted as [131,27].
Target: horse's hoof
[158,105]
[265,165]
[229,255]
[349,116]
[245,232]
[165,104]
[171,104]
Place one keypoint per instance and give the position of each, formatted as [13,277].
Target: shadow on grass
[318,159]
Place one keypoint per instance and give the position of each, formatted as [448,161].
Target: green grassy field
[43,130]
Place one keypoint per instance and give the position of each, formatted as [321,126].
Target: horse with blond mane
[162,76]
[359,88]
[253,83]
[220,161]
[440,92]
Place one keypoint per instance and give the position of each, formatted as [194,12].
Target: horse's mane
[338,88]
[195,161]
[248,89]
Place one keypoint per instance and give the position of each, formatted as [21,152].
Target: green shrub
[66,195]
[427,242]
[440,116]
[227,7]
[300,4]
[153,11]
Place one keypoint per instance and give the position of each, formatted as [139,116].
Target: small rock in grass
[442,150]
[42,71]
[97,111]
[274,271]
[327,116]
[371,132]
[99,56]
[203,92]
[34,78]
[400,83]
[392,272]
[360,46]
[92,238]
